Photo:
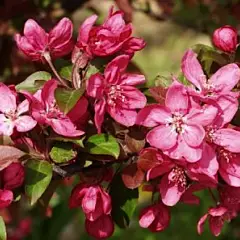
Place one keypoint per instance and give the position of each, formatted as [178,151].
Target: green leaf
[76,141]
[3,233]
[103,144]
[38,177]
[34,81]
[66,72]
[66,99]
[62,152]
[124,202]
[92,69]
[162,81]
[208,55]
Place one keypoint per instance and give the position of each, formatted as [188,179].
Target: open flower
[36,42]
[12,115]
[114,92]
[110,37]
[178,127]
[45,111]
[220,83]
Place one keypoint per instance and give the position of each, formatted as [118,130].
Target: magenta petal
[131,79]
[162,137]
[193,135]
[146,217]
[8,99]
[23,107]
[231,72]
[192,69]
[126,117]
[228,138]
[6,126]
[35,35]
[216,225]
[231,180]
[6,198]
[134,98]
[159,170]
[170,192]
[117,65]
[100,109]
[133,44]
[153,115]
[115,23]
[85,29]
[177,98]
[24,123]
[201,222]
[47,93]
[95,85]
[65,127]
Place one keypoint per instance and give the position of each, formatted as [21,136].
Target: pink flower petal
[231,72]
[115,23]
[216,225]
[170,192]
[217,211]
[95,85]
[177,99]
[6,126]
[47,93]
[153,115]
[193,135]
[146,217]
[24,123]
[23,107]
[201,222]
[124,116]
[192,69]
[162,137]
[8,99]
[35,35]
[85,28]
[100,109]
[131,79]
[228,138]
[132,45]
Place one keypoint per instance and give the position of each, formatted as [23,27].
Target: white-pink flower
[13,116]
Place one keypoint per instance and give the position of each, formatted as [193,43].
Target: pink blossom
[101,228]
[216,217]
[45,111]
[36,42]
[225,38]
[175,175]
[220,83]
[6,198]
[178,127]
[110,37]
[230,197]
[12,115]
[114,92]
[155,217]
[13,176]
[94,201]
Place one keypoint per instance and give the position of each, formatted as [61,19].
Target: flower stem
[47,57]
[212,195]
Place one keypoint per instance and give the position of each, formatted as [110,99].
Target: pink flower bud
[13,176]
[156,217]
[225,39]
[93,200]
[6,198]
[101,228]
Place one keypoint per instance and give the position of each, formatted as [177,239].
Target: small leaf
[3,232]
[92,69]
[8,155]
[132,176]
[124,202]
[162,81]
[34,81]
[66,72]
[62,152]
[103,144]
[66,99]
[38,177]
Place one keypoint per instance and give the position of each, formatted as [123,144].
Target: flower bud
[93,200]
[225,39]
[155,217]
[101,228]
[6,198]
[13,176]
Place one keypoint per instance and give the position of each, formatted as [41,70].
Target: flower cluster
[183,143]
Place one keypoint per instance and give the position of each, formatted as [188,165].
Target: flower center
[11,115]
[177,122]
[223,153]
[53,111]
[210,134]
[115,95]
[178,176]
